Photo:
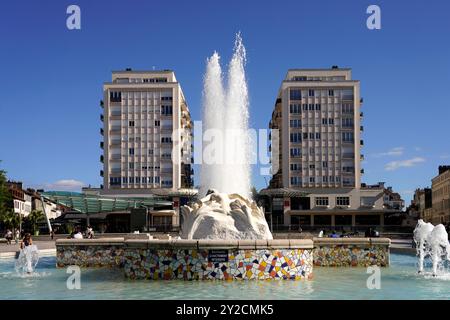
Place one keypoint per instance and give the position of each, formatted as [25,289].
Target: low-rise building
[440,188]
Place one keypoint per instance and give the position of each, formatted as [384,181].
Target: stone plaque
[217,255]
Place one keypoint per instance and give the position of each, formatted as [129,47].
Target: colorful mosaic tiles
[90,255]
[346,255]
[194,264]
[223,260]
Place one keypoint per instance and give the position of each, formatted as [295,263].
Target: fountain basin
[222,259]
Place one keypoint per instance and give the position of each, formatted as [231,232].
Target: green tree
[10,219]
[34,218]
[6,200]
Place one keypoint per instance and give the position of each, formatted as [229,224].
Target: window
[156,179]
[312,166]
[312,179]
[347,122]
[131,151]
[325,179]
[157,123]
[311,93]
[317,135]
[296,123]
[331,93]
[347,108]
[166,110]
[347,136]
[131,165]
[296,167]
[318,106]
[296,152]
[311,106]
[131,123]
[322,201]
[295,108]
[295,137]
[311,135]
[150,151]
[305,106]
[131,179]
[124,180]
[295,181]
[324,121]
[325,164]
[330,121]
[295,94]
[114,181]
[342,201]
[138,179]
[305,135]
[166,139]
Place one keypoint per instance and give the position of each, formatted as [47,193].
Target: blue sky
[52,77]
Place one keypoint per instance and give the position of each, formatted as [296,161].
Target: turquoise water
[399,281]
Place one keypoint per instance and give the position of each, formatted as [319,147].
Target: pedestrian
[8,236]
[27,241]
[52,234]
[17,236]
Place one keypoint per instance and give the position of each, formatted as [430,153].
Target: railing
[359,229]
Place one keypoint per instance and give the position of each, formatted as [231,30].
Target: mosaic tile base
[351,255]
[89,256]
[293,264]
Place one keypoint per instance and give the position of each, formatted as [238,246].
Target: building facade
[316,154]
[147,133]
[317,113]
[440,188]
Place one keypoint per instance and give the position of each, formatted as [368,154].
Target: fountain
[228,214]
[431,241]
[27,260]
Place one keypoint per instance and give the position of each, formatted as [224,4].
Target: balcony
[101,173]
[361,157]
[102,144]
[361,128]
[361,101]
[101,158]
[348,155]
[115,157]
[101,131]
[361,114]
[116,170]
[116,113]
[362,171]
[102,105]
[361,142]
[101,117]
[115,129]
[115,142]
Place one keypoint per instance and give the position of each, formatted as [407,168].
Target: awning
[89,204]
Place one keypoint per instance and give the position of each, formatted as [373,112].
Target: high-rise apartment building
[318,114]
[146,133]
[316,155]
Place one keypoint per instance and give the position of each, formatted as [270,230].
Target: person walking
[8,236]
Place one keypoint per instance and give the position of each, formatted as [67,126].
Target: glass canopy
[94,204]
